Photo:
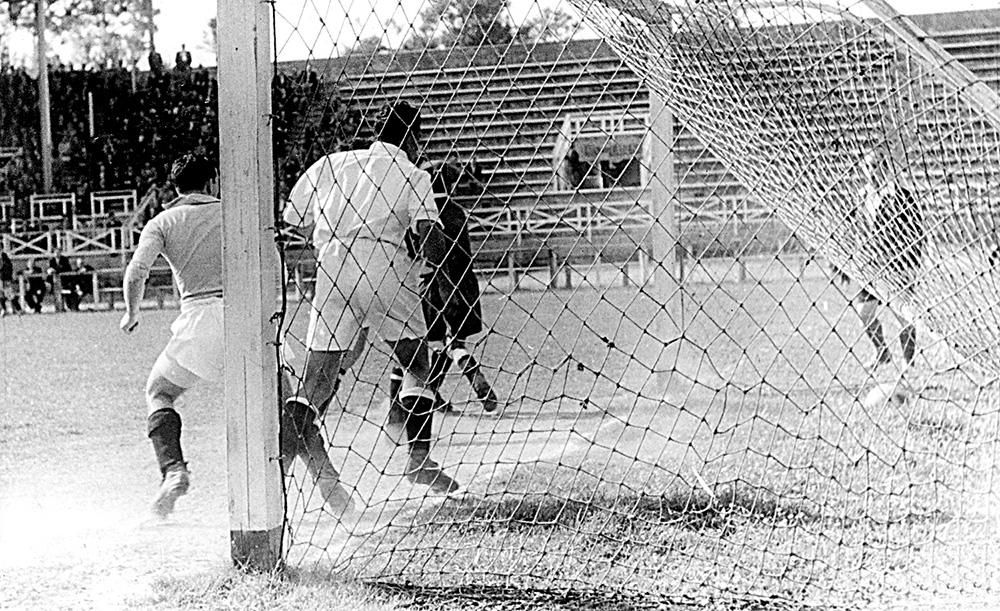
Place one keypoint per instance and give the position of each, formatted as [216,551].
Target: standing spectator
[8,289]
[80,284]
[58,266]
[34,278]
[182,61]
[155,62]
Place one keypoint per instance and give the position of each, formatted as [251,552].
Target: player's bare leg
[167,382]
[412,416]
[300,435]
[868,312]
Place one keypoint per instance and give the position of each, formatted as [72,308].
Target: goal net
[697,230]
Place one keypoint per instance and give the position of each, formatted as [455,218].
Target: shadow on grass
[685,508]
[510,598]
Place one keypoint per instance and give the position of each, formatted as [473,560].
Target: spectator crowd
[120,129]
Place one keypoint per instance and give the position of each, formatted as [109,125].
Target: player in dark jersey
[892,226]
[451,301]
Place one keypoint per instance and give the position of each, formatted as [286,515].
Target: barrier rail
[72,242]
[72,289]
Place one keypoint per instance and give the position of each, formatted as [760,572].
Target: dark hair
[445,176]
[395,121]
[191,172]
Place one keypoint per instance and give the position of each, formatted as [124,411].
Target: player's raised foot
[337,500]
[422,471]
[490,402]
[175,485]
[485,394]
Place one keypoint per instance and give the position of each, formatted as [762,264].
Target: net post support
[664,235]
[256,498]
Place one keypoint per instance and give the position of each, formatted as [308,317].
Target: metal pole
[150,24]
[41,6]
[91,123]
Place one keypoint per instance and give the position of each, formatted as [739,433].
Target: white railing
[52,206]
[6,209]
[121,204]
[26,246]
[76,242]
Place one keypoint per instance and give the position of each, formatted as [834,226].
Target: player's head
[445,176]
[452,178]
[192,173]
[398,124]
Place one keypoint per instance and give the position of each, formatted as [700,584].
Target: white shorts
[375,288]
[197,340]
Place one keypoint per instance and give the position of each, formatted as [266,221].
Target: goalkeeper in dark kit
[451,298]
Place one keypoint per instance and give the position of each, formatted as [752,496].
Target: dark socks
[164,427]
[298,428]
[419,417]
[440,363]
[908,339]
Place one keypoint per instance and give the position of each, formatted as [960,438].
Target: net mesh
[683,219]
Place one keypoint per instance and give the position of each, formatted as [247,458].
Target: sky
[320,24]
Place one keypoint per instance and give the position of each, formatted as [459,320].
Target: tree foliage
[448,23]
[95,33]
[548,24]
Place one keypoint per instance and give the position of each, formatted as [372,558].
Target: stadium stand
[547,130]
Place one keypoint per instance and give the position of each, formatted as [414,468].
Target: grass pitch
[750,473]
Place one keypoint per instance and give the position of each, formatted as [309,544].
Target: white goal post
[250,262]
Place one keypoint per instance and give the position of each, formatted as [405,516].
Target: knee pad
[414,387]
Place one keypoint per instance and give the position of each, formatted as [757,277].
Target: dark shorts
[460,318]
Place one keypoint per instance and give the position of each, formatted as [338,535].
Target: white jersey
[364,196]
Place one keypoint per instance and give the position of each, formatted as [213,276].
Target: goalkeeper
[451,298]
[892,226]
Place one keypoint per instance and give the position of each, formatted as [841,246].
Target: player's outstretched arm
[134,283]
[133,288]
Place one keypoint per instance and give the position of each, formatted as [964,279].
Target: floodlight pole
[44,103]
[250,261]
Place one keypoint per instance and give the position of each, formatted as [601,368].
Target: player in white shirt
[188,233]
[365,206]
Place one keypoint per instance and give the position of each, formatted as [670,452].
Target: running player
[893,229]
[364,204]
[451,303]
[189,236]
